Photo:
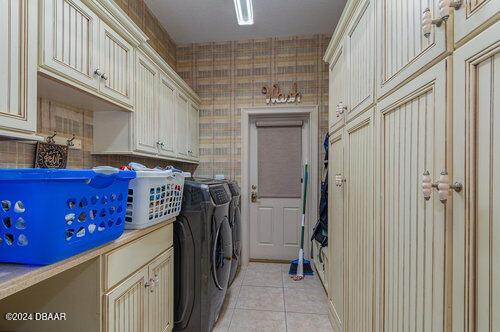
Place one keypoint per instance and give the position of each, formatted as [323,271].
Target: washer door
[222,252]
[237,232]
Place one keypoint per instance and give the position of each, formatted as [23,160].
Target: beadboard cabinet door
[472,14]
[412,134]
[71,37]
[18,66]
[337,88]
[360,46]
[336,228]
[161,298]
[476,164]
[182,126]
[166,109]
[116,65]
[194,123]
[359,226]
[146,106]
[402,47]
[126,305]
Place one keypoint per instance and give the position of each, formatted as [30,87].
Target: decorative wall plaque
[50,155]
[275,96]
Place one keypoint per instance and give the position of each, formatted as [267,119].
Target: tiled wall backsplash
[68,121]
[229,76]
[159,38]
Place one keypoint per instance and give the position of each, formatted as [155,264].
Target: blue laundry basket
[47,215]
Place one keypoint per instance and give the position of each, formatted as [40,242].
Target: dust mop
[301,266]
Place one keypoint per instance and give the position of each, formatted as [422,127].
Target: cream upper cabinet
[476,164]
[337,88]
[126,305]
[146,107]
[194,120]
[336,228]
[360,48]
[472,14]
[166,109]
[359,226]
[182,124]
[71,41]
[116,65]
[402,47]
[161,298]
[18,66]
[412,133]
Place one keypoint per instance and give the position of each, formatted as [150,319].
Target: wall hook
[50,139]
[69,142]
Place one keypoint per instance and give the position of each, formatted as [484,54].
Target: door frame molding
[247,113]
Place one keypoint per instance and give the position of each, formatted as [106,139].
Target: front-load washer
[202,255]
[235,222]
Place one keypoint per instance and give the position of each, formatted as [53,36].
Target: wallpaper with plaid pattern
[229,76]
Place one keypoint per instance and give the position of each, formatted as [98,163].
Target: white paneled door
[359,226]
[476,164]
[472,14]
[413,140]
[402,47]
[146,113]
[336,191]
[277,156]
[116,65]
[71,40]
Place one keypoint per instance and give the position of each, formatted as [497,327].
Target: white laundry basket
[153,196]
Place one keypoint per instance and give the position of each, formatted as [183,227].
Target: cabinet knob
[443,186]
[428,22]
[340,109]
[104,76]
[98,72]
[445,7]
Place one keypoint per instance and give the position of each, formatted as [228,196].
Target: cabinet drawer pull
[445,7]
[443,186]
[428,21]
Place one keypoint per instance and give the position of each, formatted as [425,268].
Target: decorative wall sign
[275,96]
[51,155]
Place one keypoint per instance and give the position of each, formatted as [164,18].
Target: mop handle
[304,207]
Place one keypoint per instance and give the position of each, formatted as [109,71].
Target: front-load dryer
[202,255]
[235,222]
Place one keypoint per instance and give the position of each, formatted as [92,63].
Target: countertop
[16,277]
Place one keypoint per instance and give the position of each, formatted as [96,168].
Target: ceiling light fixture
[244,11]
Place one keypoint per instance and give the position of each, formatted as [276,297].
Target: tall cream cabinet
[18,68]
[408,251]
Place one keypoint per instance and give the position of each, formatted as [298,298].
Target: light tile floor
[264,298]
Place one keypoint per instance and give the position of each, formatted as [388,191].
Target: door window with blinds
[279,155]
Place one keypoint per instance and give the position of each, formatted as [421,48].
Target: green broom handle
[304,206]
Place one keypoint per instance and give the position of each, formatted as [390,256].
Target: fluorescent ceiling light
[244,11]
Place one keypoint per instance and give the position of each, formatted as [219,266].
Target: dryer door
[237,232]
[222,252]
[184,273]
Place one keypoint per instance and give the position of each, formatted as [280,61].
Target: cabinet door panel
[146,109]
[472,14]
[476,164]
[71,33]
[336,228]
[403,49]
[17,63]
[359,242]
[193,131]
[116,63]
[161,309]
[125,306]
[166,109]
[413,137]
[360,45]
[337,87]
[182,120]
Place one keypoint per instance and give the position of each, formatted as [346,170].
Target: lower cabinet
[144,301]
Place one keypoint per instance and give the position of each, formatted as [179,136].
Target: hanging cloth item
[320,231]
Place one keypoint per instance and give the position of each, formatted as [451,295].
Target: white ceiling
[195,21]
